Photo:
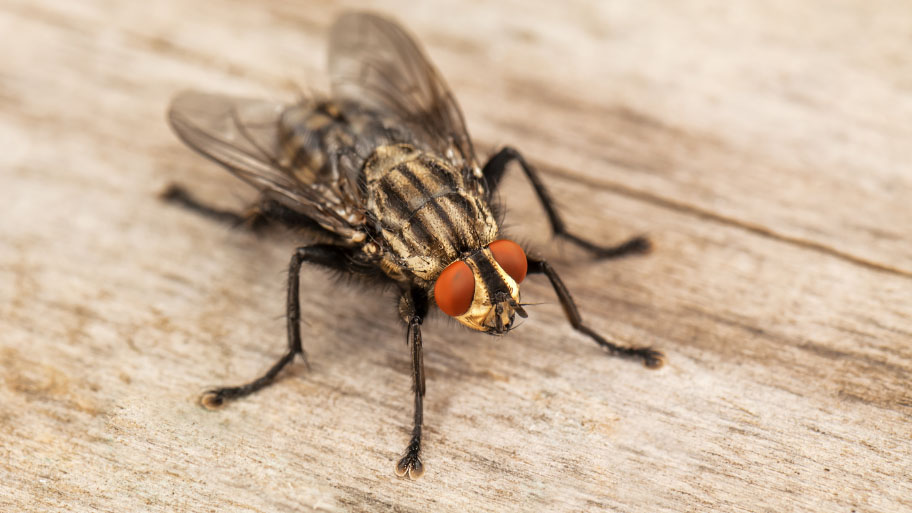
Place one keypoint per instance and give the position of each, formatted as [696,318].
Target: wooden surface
[766,148]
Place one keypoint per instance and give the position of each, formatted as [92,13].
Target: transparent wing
[243,135]
[375,63]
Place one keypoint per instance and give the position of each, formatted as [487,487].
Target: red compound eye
[455,289]
[511,258]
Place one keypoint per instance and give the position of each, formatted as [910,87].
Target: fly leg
[327,255]
[494,171]
[650,357]
[255,218]
[413,306]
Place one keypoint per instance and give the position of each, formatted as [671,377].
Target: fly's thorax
[426,212]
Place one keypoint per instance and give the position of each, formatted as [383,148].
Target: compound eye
[511,258]
[455,289]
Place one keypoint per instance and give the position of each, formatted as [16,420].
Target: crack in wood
[696,211]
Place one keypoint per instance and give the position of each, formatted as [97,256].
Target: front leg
[493,173]
[650,357]
[413,307]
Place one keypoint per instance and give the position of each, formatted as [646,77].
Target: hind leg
[253,219]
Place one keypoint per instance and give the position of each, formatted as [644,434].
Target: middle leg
[326,255]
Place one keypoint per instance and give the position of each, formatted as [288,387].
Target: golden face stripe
[490,279]
[489,273]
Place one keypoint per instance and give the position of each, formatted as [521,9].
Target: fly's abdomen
[306,132]
[427,216]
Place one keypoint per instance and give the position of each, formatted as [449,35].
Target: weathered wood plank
[764,148]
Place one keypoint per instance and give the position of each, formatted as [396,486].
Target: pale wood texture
[766,147]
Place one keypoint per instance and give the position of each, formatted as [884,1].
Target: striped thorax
[436,228]
[426,214]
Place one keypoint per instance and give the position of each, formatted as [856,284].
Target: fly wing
[375,63]
[243,135]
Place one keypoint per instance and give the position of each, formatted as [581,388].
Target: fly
[384,172]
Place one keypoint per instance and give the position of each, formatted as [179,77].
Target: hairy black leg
[256,218]
[494,172]
[650,357]
[413,306]
[178,195]
[327,255]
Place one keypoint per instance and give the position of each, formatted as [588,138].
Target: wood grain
[764,146]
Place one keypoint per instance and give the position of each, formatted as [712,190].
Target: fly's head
[482,290]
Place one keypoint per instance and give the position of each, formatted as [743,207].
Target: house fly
[384,171]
